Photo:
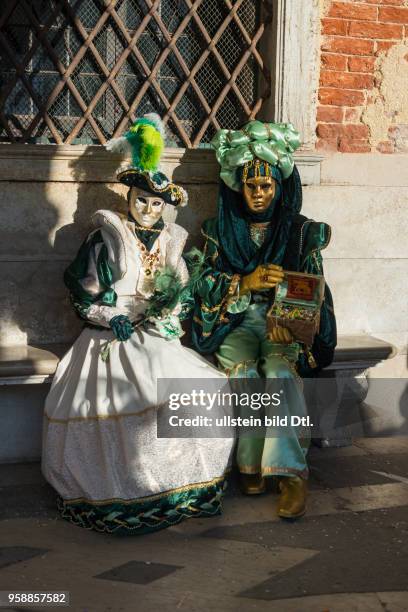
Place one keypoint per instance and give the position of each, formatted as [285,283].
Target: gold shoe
[292,501]
[252,484]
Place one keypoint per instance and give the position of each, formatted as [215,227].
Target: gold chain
[149,260]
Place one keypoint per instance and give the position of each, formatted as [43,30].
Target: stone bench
[26,373]
[37,364]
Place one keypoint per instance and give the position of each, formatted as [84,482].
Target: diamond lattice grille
[80,71]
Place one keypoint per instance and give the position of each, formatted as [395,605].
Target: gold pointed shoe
[292,500]
[252,484]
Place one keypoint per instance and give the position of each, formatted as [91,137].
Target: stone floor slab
[348,554]
[139,572]
[10,555]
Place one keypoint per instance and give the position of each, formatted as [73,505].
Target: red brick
[351,46]
[341,97]
[375,30]
[385,147]
[353,11]
[329,130]
[334,26]
[327,145]
[330,114]
[383,46]
[348,132]
[356,132]
[334,62]
[390,2]
[361,64]
[346,80]
[352,115]
[393,15]
[354,146]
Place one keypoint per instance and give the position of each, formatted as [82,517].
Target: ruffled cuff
[237,303]
[101,315]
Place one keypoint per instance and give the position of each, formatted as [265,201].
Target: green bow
[274,143]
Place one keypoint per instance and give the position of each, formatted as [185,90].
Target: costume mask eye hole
[141,201]
[157,204]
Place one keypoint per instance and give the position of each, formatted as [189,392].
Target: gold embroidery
[272,471]
[210,238]
[118,500]
[256,164]
[230,372]
[250,469]
[211,308]
[104,417]
[290,363]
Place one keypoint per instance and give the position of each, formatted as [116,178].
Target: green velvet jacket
[212,322]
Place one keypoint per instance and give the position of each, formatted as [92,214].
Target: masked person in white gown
[101,452]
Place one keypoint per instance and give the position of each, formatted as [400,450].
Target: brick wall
[357,40]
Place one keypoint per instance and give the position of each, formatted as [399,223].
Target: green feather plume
[146,143]
[167,292]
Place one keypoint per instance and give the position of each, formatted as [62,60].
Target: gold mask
[259,192]
[145,208]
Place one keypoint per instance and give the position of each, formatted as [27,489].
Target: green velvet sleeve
[326,339]
[211,320]
[78,272]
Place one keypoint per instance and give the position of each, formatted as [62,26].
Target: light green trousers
[247,353]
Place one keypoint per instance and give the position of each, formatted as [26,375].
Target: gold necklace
[149,260]
[258,232]
[147,229]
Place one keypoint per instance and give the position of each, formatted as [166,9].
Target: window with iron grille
[80,71]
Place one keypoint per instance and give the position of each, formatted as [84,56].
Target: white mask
[145,208]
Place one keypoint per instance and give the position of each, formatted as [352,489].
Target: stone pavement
[349,553]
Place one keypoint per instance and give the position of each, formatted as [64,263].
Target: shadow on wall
[202,188]
[45,215]
[43,224]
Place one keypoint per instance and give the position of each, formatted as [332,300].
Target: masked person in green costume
[101,451]
[257,235]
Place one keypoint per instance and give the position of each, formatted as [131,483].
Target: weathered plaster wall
[363,96]
[386,114]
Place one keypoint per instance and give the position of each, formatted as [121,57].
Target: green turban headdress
[273,143]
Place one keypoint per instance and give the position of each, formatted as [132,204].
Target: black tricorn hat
[155,183]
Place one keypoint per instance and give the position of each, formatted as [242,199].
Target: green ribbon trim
[141,517]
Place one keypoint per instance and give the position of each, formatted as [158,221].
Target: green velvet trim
[139,517]
[77,271]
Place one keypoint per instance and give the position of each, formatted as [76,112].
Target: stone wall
[365,200]
[48,195]
[363,96]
